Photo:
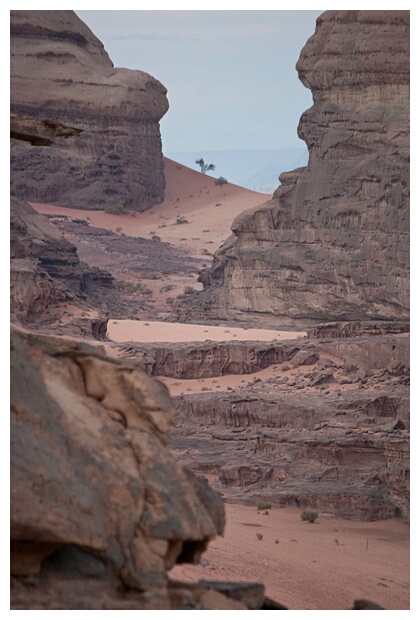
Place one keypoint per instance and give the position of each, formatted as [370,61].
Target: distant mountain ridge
[257,170]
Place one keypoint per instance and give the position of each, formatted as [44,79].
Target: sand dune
[190,195]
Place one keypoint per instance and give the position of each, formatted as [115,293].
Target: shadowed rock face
[44,266]
[333,243]
[98,505]
[61,72]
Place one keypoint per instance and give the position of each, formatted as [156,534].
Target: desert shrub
[277,541]
[220,182]
[259,536]
[309,515]
[189,290]
[263,505]
[285,367]
[115,209]
[181,220]
[166,288]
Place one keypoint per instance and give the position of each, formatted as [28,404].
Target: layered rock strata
[333,243]
[216,359]
[329,430]
[45,267]
[352,461]
[61,76]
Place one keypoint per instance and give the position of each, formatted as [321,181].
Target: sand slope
[191,195]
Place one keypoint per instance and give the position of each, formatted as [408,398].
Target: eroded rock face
[209,359]
[333,243]
[99,508]
[45,267]
[61,72]
[332,435]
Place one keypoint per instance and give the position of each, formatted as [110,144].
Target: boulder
[98,504]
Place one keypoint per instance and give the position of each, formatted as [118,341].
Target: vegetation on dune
[203,166]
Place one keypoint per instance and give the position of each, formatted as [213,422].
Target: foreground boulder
[333,243]
[104,121]
[99,509]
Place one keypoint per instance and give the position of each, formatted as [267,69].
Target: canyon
[128,455]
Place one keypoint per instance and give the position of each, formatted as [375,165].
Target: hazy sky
[230,75]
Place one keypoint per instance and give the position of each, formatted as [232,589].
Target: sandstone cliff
[61,73]
[333,243]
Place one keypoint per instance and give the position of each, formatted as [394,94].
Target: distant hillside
[257,170]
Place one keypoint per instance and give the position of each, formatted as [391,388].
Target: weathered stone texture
[333,243]
[61,73]
[44,267]
[99,508]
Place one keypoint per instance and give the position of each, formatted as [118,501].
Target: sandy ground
[190,195]
[154,331]
[323,566]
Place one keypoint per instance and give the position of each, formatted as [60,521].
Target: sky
[230,74]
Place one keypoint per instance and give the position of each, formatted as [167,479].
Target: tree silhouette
[203,166]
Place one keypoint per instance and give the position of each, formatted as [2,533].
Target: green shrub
[116,209]
[309,515]
[166,288]
[263,505]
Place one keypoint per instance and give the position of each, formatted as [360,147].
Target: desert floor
[323,566]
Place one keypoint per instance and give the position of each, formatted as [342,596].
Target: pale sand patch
[189,194]
[325,565]
[156,331]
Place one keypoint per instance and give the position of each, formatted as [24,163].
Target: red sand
[154,331]
[324,565]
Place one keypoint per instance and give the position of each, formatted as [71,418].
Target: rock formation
[45,267]
[100,510]
[329,429]
[61,76]
[333,243]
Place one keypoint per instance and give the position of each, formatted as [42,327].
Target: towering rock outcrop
[61,73]
[333,243]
